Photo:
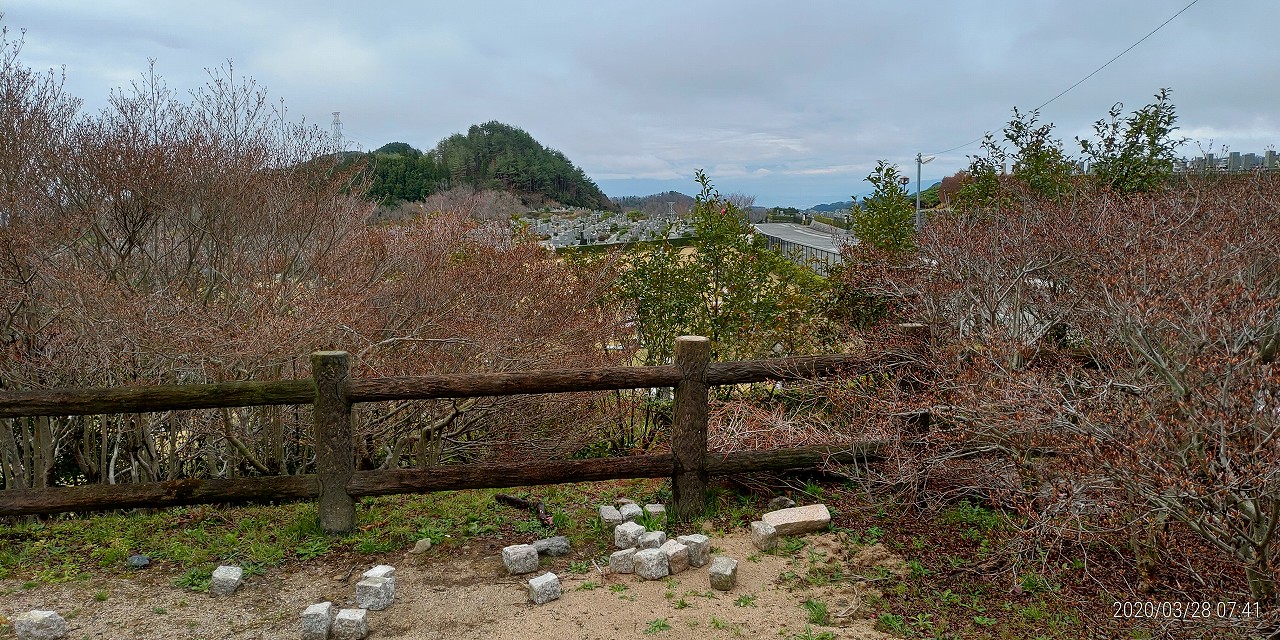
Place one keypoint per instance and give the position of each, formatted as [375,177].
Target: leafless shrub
[212,240]
[1122,345]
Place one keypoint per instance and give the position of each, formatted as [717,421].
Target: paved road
[802,235]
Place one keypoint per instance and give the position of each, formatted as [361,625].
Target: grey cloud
[792,102]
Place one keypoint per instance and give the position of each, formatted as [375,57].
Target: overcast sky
[792,102]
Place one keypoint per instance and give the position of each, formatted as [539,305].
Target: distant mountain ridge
[492,155]
[832,206]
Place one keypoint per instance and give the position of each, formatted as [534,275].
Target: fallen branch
[534,505]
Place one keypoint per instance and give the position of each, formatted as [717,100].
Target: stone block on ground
[316,621]
[555,546]
[350,624]
[381,571]
[623,561]
[651,564]
[520,558]
[699,549]
[677,556]
[652,539]
[656,511]
[763,535]
[225,580]
[781,502]
[723,573]
[137,561]
[798,521]
[375,594]
[627,535]
[40,625]
[544,588]
[420,547]
[610,516]
[630,511]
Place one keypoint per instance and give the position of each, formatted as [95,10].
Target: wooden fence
[332,393]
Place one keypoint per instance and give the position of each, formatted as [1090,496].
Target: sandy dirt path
[465,593]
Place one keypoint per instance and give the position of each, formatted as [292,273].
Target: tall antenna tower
[337,131]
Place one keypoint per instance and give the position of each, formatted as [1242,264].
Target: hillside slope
[492,155]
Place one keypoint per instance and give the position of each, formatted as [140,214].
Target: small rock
[381,571]
[630,511]
[421,547]
[623,561]
[623,501]
[610,516]
[40,625]
[781,502]
[137,561]
[544,588]
[677,556]
[316,621]
[723,573]
[699,549]
[627,535]
[520,558]
[652,540]
[799,520]
[350,624]
[557,546]
[656,511]
[763,535]
[651,564]
[375,593]
[225,580]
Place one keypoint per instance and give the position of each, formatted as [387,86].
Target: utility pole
[920,162]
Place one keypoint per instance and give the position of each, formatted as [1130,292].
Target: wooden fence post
[689,428]
[335,460]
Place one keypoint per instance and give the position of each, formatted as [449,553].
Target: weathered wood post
[689,428]
[335,460]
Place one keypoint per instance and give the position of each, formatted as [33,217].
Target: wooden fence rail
[336,484]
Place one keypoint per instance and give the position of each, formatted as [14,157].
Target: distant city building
[1234,162]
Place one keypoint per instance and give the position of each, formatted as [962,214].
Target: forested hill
[489,156]
[657,204]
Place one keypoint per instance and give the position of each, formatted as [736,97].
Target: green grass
[788,546]
[808,634]
[658,626]
[195,579]
[817,613]
[891,623]
[746,600]
[192,540]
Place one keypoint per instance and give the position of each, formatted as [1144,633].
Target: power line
[1095,71]
[1091,74]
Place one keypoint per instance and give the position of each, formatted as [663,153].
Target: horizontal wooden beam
[723,464]
[492,476]
[799,367]
[78,402]
[70,402]
[470,385]
[99,497]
